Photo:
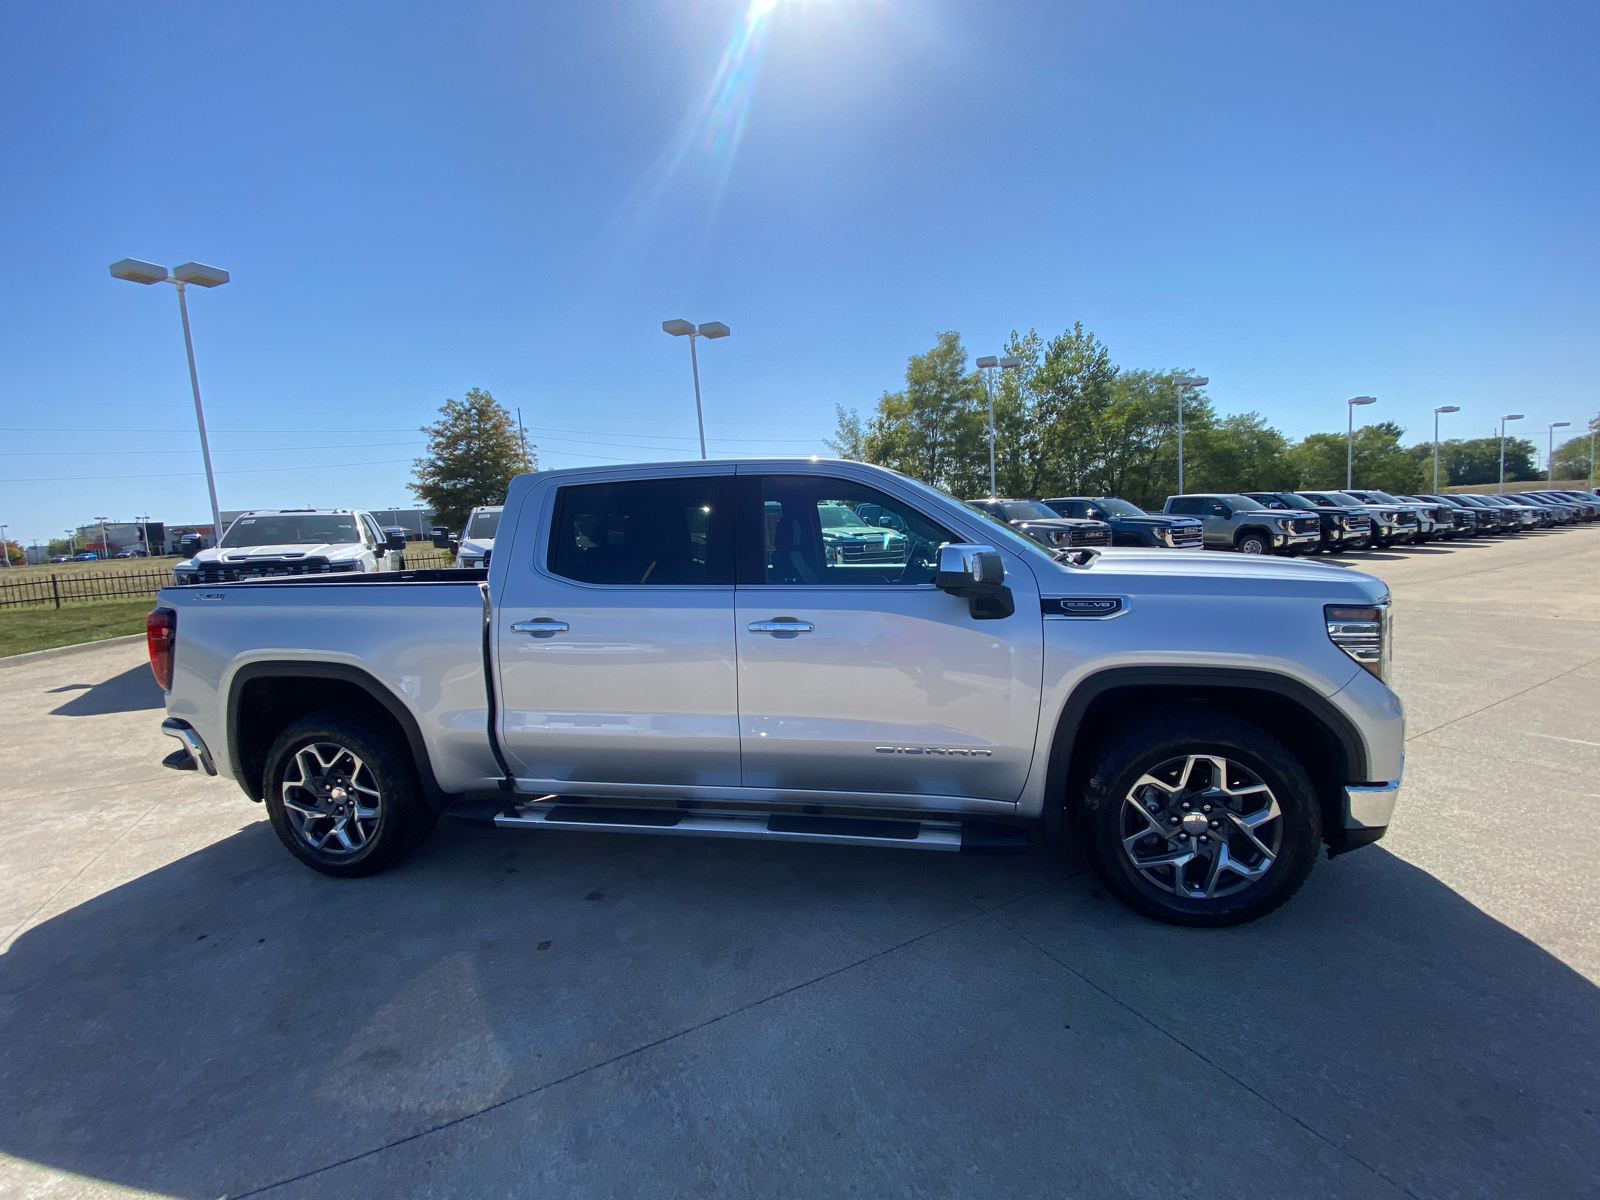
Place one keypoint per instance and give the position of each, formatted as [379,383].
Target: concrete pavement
[186,1011]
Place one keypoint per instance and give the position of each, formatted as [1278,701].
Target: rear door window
[647,532]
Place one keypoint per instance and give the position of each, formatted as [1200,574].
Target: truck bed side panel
[421,641]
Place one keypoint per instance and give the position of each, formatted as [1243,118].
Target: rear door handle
[781,628]
[541,627]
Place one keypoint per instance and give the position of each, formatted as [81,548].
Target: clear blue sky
[1302,202]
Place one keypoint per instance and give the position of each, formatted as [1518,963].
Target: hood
[1161,571]
[1059,523]
[1160,522]
[476,547]
[291,552]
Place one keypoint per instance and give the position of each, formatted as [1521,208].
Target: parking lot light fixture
[1550,460]
[1503,420]
[1185,382]
[135,270]
[1447,408]
[1350,438]
[987,365]
[709,329]
[5,551]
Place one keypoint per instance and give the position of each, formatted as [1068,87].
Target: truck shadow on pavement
[135,690]
[575,1014]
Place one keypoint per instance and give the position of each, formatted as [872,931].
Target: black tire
[322,772]
[1283,849]
[1253,541]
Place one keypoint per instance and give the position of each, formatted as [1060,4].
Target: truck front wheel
[1195,817]
[342,796]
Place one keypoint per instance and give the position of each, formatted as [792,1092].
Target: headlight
[1281,522]
[1363,634]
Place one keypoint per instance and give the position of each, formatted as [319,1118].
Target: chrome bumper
[1370,806]
[191,741]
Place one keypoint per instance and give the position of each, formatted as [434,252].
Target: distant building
[148,536]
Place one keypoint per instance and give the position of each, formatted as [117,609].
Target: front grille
[1406,518]
[861,552]
[1308,525]
[233,572]
[1187,535]
[1358,523]
[1090,537]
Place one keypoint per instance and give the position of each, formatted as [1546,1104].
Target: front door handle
[783,628]
[541,627]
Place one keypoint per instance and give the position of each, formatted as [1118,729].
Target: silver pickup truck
[690,650]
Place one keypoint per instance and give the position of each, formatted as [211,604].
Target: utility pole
[522,434]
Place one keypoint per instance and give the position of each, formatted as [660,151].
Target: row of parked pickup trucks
[1287,523]
[803,651]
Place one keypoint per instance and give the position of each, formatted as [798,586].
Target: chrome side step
[783,827]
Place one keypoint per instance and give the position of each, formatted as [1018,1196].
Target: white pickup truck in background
[477,538]
[689,649]
[295,541]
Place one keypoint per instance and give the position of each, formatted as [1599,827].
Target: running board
[965,837]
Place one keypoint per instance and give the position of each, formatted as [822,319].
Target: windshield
[1290,500]
[1029,510]
[1245,504]
[838,516]
[1120,508]
[483,523]
[292,529]
[1385,498]
[1342,500]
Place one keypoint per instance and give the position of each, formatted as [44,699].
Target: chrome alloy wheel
[1201,826]
[331,798]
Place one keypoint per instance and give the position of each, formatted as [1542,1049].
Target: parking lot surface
[187,1011]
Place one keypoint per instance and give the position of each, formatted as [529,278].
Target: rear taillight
[161,633]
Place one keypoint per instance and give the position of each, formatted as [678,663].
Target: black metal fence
[74,589]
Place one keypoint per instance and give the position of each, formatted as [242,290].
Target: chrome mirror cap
[968,569]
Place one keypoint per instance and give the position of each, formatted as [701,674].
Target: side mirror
[396,542]
[885,522]
[978,575]
[441,538]
[1220,510]
[970,570]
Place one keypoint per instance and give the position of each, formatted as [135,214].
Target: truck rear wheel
[1195,817]
[342,796]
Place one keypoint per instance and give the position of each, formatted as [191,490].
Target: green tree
[1240,453]
[934,430]
[1379,462]
[474,451]
[1477,460]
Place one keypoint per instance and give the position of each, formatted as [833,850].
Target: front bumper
[1367,811]
[1287,541]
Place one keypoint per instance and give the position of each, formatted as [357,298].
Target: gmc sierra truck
[687,650]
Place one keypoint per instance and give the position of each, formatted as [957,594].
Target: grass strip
[43,627]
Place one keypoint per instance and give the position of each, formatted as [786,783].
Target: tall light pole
[104,546]
[1550,462]
[987,364]
[688,329]
[135,271]
[1503,420]
[1442,409]
[1185,382]
[5,550]
[1350,438]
